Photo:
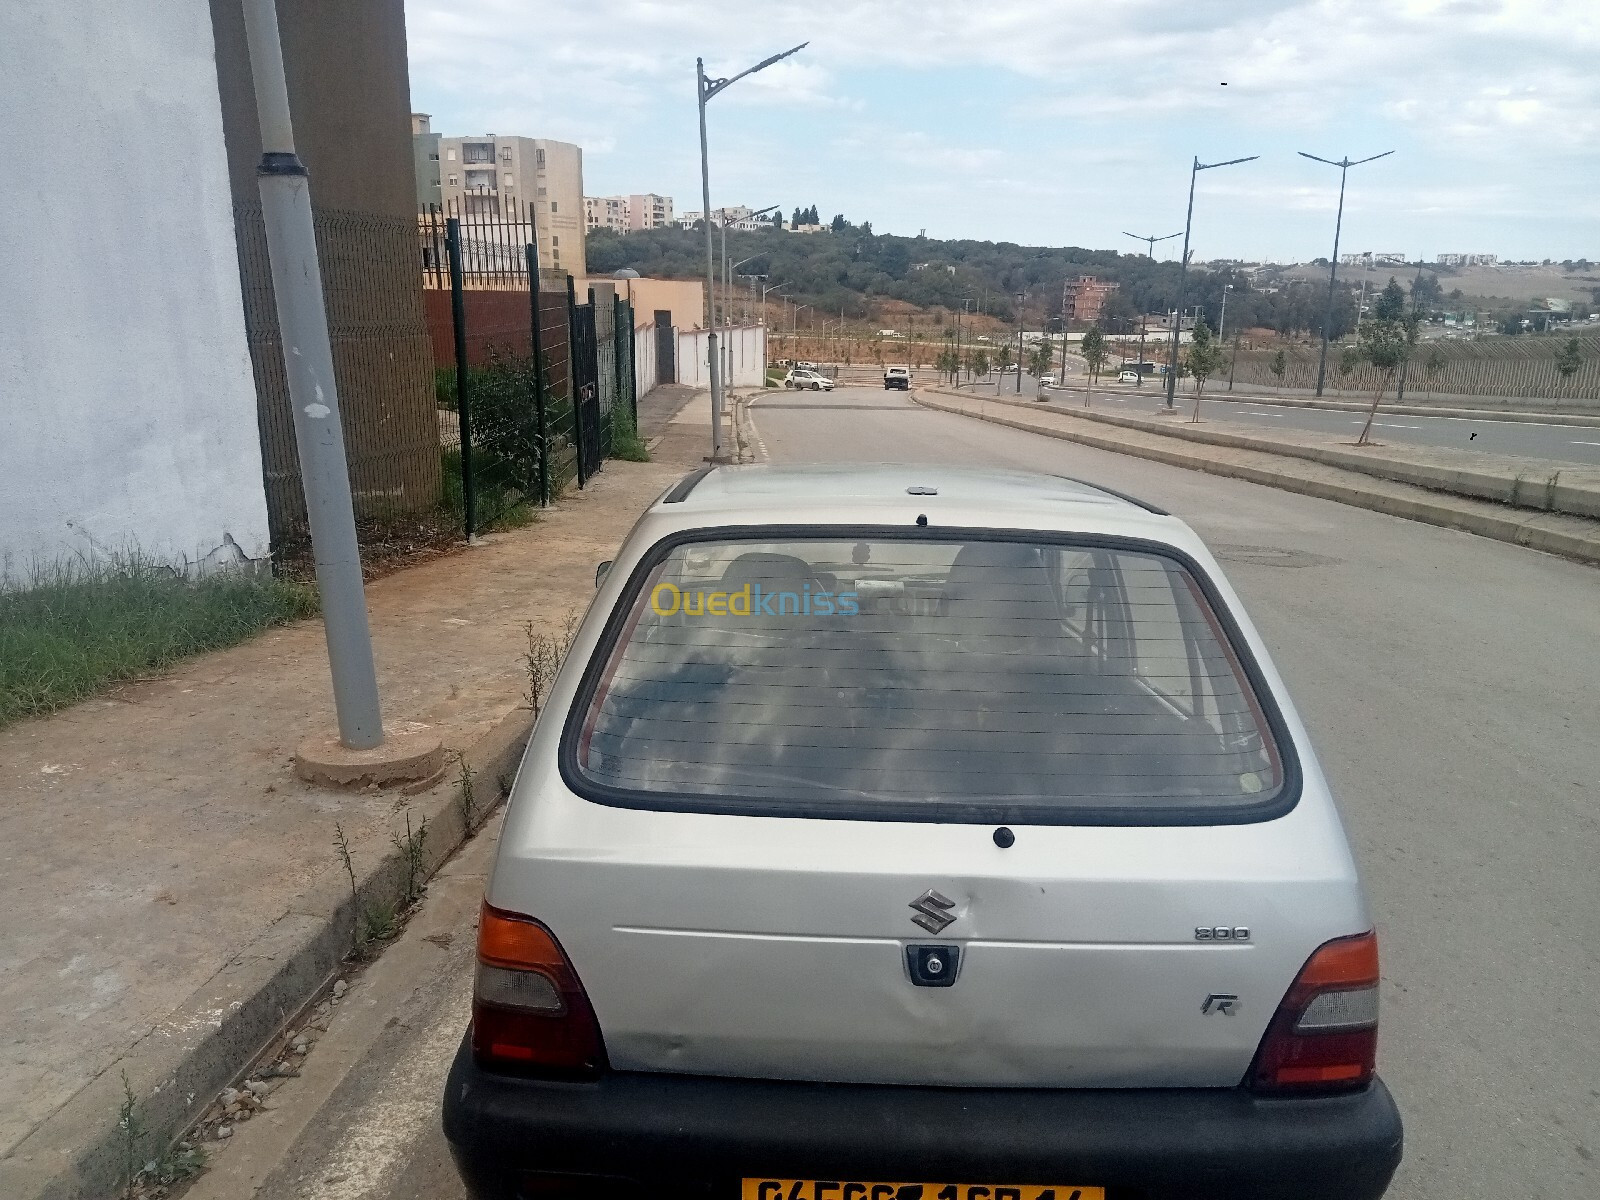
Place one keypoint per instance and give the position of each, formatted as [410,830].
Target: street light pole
[1183,269]
[1150,241]
[308,366]
[1019,343]
[1344,165]
[705,91]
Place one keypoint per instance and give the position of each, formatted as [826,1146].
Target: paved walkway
[149,835]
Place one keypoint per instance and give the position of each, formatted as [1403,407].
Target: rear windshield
[897,676]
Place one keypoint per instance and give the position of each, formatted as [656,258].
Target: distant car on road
[897,377]
[1128,377]
[1047,381]
[804,380]
[918,831]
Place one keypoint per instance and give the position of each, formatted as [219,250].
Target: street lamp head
[625,273]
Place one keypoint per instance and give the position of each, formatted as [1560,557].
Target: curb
[1536,416]
[1580,541]
[177,1068]
[1531,489]
[1275,400]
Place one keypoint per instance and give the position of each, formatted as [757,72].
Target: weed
[342,845]
[413,854]
[625,440]
[132,1131]
[70,630]
[379,923]
[464,797]
[569,630]
[542,660]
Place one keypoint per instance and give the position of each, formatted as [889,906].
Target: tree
[1435,362]
[777,220]
[838,223]
[1569,358]
[1278,365]
[1349,360]
[1426,292]
[796,220]
[1093,349]
[1203,360]
[1388,339]
[978,362]
[1003,356]
[1039,357]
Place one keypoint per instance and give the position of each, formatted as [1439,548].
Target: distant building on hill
[1084,298]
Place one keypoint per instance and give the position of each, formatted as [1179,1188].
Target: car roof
[855,493]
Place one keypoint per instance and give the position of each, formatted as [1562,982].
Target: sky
[1063,122]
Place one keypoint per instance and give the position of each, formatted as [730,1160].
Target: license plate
[830,1189]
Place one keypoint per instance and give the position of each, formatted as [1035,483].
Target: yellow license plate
[829,1189]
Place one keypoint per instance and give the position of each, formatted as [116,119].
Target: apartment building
[606,212]
[495,175]
[1084,298]
[425,161]
[1466,260]
[649,211]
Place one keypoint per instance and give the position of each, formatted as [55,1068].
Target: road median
[1514,504]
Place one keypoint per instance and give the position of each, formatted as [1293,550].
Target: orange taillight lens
[1324,1035]
[529,1010]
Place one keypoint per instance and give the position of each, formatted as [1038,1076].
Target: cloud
[1036,98]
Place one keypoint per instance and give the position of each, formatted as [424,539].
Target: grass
[625,440]
[70,631]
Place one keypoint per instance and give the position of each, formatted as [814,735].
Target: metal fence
[382,367]
[528,379]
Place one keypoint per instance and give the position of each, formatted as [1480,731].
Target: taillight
[529,1010]
[1325,1033]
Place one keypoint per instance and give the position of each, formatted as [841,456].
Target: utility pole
[1344,165]
[308,363]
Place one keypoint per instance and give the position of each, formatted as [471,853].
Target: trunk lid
[775,948]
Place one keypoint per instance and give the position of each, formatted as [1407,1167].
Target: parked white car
[1128,377]
[804,380]
[905,832]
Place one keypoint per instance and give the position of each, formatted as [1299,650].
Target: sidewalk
[172,891]
[1441,487]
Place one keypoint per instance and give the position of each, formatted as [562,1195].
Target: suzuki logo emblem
[933,911]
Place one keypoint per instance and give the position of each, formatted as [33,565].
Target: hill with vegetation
[864,276]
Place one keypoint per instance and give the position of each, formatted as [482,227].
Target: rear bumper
[689,1135]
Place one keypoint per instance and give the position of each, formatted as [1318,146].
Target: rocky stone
[258,1087]
[227,1096]
[224,1132]
[340,987]
[301,1046]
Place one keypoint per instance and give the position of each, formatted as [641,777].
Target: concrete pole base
[409,752]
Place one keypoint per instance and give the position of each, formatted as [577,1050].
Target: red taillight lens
[529,1010]
[1324,1035]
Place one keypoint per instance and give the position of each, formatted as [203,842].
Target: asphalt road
[1526,439]
[1450,685]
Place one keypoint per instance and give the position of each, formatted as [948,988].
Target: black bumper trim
[692,1135]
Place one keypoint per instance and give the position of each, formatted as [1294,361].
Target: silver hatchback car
[917,832]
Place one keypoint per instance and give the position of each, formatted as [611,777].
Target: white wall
[125,387]
[744,356]
[646,373]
